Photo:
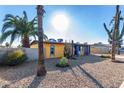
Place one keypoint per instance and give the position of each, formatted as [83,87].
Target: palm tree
[115,36]
[16,26]
[41,71]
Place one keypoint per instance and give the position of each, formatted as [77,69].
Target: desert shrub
[67,52]
[63,62]
[13,57]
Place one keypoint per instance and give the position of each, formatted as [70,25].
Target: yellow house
[51,49]
[56,49]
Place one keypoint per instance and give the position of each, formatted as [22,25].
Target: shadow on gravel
[83,71]
[118,61]
[92,59]
[17,73]
[36,81]
[51,63]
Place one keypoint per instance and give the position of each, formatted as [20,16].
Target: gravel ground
[85,72]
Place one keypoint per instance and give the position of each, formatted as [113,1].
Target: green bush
[13,57]
[63,62]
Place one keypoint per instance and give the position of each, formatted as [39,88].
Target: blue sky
[85,22]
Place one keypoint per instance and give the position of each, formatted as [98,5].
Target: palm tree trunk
[25,41]
[72,48]
[41,71]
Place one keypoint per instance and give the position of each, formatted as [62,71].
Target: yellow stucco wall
[59,49]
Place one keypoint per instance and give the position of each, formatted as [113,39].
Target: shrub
[13,57]
[67,52]
[63,62]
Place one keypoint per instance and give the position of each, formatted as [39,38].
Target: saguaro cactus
[115,36]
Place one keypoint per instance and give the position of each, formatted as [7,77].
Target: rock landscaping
[85,72]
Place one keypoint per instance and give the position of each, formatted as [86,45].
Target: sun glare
[60,21]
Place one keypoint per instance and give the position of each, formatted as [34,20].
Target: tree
[16,27]
[115,36]
[41,71]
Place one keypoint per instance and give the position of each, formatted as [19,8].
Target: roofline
[36,42]
[47,42]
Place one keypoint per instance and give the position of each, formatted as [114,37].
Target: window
[52,50]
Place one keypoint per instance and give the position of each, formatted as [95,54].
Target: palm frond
[13,37]
[5,35]
[25,16]
[8,17]
[45,37]
[7,25]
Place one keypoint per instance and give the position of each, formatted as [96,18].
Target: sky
[83,23]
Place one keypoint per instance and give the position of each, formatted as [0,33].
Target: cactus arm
[108,32]
[111,21]
[122,33]
[112,30]
[121,18]
[119,13]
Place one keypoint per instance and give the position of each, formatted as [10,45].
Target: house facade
[100,48]
[51,49]
[56,49]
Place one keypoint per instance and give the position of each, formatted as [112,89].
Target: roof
[102,45]
[47,42]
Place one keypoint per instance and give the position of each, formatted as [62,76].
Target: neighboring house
[56,49]
[100,48]
[81,49]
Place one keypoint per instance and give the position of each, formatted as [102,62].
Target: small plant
[13,57]
[66,52]
[63,62]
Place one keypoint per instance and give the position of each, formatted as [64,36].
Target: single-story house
[56,49]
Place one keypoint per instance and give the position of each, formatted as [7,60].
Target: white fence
[32,53]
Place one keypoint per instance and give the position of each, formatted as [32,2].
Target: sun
[60,21]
